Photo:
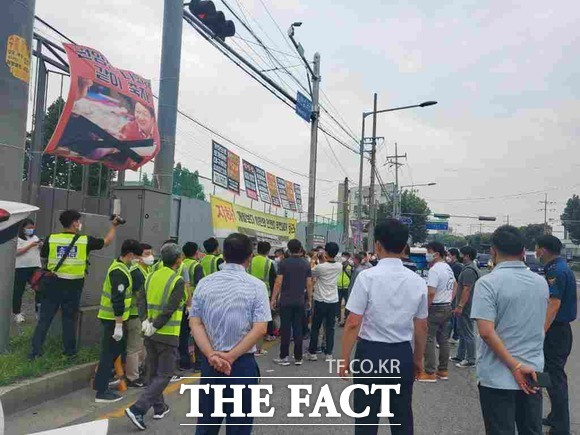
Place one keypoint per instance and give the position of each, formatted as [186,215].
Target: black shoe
[163,413]
[136,417]
[108,397]
[455,359]
[137,383]
[547,422]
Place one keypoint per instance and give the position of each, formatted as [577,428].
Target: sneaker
[427,377]
[137,383]
[19,318]
[319,350]
[107,397]
[311,357]
[465,364]
[329,358]
[298,362]
[443,375]
[175,379]
[455,359]
[160,415]
[261,352]
[282,361]
[136,418]
[114,383]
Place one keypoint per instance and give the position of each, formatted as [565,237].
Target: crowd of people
[210,312]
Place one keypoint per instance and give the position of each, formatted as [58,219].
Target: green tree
[531,233]
[571,218]
[186,183]
[449,240]
[416,208]
[146,180]
[480,241]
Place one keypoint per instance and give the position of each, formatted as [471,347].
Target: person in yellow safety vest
[195,271]
[115,309]
[343,285]
[165,297]
[264,269]
[64,291]
[213,259]
[139,272]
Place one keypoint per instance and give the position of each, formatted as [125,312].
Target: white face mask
[80,227]
[429,257]
[344,259]
[148,261]
[29,231]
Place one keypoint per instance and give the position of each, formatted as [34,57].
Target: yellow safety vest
[260,268]
[190,265]
[144,270]
[75,265]
[106,311]
[344,277]
[209,264]
[158,289]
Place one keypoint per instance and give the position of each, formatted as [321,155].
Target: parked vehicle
[533,263]
[483,260]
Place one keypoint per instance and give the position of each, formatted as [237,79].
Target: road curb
[32,392]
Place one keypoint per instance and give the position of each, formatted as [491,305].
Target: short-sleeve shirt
[562,283]
[468,276]
[228,303]
[295,272]
[516,300]
[93,244]
[388,297]
[441,278]
[30,258]
[326,285]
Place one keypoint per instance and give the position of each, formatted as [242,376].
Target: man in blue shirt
[562,309]
[510,305]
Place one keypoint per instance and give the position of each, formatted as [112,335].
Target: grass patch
[14,365]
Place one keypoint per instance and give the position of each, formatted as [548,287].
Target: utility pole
[168,93]
[394,161]
[360,181]
[313,151]
[371,240]
[345,216]
[16,23]
[545,203]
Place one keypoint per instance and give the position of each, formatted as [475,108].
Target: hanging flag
[298,197]
[262,185]
[290,195]
[282,190]
[225,168]
[273,188]
[250,180]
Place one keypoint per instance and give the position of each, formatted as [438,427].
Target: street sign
[406,220]
[437,226]
[303,106]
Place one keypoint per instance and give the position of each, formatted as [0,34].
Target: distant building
[381,197]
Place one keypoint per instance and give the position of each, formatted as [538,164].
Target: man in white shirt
[441,285]
[325,301]
[388,310]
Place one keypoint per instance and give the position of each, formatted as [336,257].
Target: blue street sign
[303,106]
[406,220]
[437,226]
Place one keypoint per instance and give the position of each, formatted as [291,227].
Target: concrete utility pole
[546,203]
[371,236]
[313,150]
[394,160]
[168,93]
[16,24]
[345,215]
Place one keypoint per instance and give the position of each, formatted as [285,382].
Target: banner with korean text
[225,168]
[250,180]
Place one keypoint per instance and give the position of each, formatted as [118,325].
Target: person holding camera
[66,255]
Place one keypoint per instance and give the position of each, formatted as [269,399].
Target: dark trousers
[342,296]
[270,330]
[557,348]
[243,367]
[291,322]
[161,363]
[503,410]
[184,334]
[323,313]
[110,351]
[22,275]
[67,297]
[401,404]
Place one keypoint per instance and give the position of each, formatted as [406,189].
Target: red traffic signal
[206,12]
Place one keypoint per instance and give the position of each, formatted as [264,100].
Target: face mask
[80,228]
[29,231]
[429,258]
[148,261]
[277,260]
[344,259]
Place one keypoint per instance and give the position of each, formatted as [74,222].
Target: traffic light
[487,218]
[206,12]
[441,216]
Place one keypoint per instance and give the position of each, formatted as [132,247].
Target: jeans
[401,404]
[22,275]
[323,312]
[291,321]
[66,295]
[244,367]
[466,347]
[438,333]
[557,347]
[503,410]
[110,351]
[161,364]
[342,296]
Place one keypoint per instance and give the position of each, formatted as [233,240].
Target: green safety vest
[209,264]
[75,265]
[158,288]
[260,268]
[190,265]
[106,311]
[344,277]
[144,270]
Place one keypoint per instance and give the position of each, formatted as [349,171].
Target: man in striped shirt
[229,315]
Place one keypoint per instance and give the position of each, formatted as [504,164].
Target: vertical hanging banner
[250,180]
[298,197]
[262,185]
[225,168]
[283,195]
[273,188]
[109,116]
[290,195]
[233,172]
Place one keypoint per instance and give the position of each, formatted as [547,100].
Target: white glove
[118,334]
[144,325]
[150,330]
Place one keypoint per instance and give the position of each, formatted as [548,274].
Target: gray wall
[331,233]
[194,223]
